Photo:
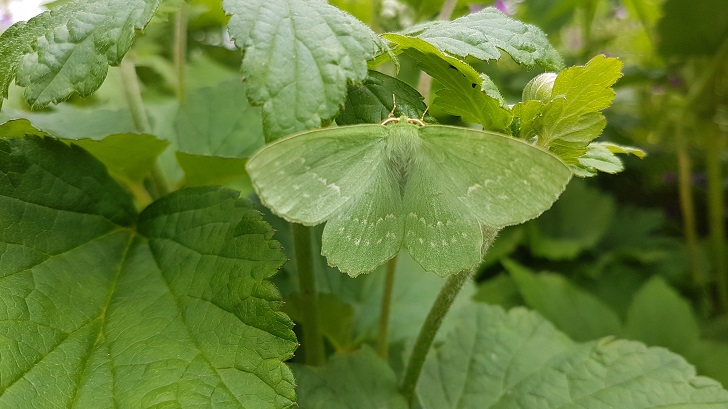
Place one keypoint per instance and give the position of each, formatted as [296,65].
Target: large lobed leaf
[516,360]
[103,307]
[68,50]
[356,381]
[299,56]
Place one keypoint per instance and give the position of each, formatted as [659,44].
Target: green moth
[442,192]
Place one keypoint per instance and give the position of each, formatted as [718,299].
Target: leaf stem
[716,212]
[382,339]
[180,50]
[432,323]
[687,206]
[132,92]
[313,342]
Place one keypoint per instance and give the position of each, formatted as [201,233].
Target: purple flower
[6,20]
[474,8]
[501,5]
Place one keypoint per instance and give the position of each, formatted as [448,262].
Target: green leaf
[579,314]
[597,158]
[710,358]
[571,119]
[129,156]
[336,318]
[466,93]
[659,316]
[601,157]
[218,121]
[483,35]
[439,191]
[73,46]
[371,101]
[499,290]
[18,128]
[323,47]
[215,131]
[354,381]
[515,360]
[105,307]
[573,225]
[14,42]
[69,122]
[201,170]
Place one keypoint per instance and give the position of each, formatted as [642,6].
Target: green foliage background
[127,280]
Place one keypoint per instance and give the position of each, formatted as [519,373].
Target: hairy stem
[132,91]
[432,323]
[180,50]
[382,339]
[133,94]
[313,341]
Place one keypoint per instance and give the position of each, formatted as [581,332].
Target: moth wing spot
[336,188]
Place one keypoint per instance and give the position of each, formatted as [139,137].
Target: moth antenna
[422,118]
[394,106]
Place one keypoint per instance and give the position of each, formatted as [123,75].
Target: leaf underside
[68,50]
[324,49]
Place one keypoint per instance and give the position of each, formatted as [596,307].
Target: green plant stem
[133,94]
[687,206]
[132,91]
[432,324]
[313,341]
[716,213]
[714,146]
[425,81]
[180,51]
[383,336]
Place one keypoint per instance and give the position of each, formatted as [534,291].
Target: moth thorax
[402,150]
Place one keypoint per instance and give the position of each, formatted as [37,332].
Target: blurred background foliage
[641,254]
